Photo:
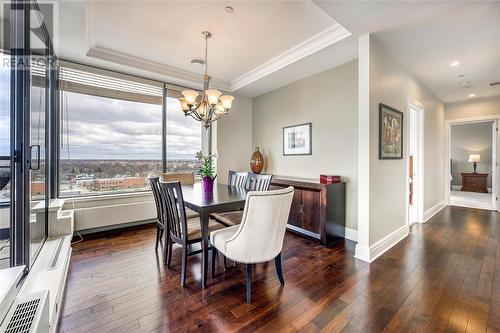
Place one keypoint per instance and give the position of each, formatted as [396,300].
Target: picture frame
[391,125]
[297,140]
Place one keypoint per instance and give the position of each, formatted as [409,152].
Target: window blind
[99,82]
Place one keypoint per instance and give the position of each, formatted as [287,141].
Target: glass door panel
[5,162]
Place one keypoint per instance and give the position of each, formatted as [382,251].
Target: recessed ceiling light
[228,9]
[454,64]
[472,95]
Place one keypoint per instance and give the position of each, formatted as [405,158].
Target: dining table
[223,198]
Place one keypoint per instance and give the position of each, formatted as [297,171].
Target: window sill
[104,197]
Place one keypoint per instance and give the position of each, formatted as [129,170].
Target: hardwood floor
[445,276]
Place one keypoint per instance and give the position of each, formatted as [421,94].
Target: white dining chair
[259,237]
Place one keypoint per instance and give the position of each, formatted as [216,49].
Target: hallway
[445,276]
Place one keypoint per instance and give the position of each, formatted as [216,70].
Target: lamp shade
[190,96]
[475,158]
[213,96]
[226,101]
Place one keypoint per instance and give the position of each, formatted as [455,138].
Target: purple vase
[208,184]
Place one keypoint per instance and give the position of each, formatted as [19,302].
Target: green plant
[207,165]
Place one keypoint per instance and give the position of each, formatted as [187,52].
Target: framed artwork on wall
[390,133]
[297,140]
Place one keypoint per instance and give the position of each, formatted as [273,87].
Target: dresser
[475,182]
[318,210]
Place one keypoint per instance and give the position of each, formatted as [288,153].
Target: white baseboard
[433,211]
[376,250]
[351,234]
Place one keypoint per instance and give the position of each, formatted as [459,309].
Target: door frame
[495,153]
[418,167]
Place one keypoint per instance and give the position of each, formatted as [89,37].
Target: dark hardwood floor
[445,276]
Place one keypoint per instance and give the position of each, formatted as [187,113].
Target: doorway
[472,163]
[415,161]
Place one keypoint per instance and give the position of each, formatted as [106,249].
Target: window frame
[166,87]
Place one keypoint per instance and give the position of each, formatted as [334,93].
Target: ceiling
[426,37]
[263,45]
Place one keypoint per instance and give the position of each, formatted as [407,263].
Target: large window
[111,132]
[183,139]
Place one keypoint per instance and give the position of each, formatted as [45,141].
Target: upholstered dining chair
[161,225]
[259,237]
[181,230]
[253,182]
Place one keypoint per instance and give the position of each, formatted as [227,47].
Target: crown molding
[178,76]
[317,42]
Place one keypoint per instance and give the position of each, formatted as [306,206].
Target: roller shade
[98,82]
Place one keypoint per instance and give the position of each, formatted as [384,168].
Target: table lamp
[475,159]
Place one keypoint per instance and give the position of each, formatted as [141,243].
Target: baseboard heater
[28,314]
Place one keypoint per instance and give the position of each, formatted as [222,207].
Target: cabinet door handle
[301,209]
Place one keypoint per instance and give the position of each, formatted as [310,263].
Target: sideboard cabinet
[318,210]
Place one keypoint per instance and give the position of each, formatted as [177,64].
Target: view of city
[88,177]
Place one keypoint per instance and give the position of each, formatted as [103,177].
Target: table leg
[204,218]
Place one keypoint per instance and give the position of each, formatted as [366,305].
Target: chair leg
[169,250]
[214,255]
[157,238]
[279,270]
[161,234]
[249,282]
[184,265]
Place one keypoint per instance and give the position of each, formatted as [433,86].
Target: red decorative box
[329,179]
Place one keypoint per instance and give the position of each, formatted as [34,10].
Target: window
[111,132]
[183,139]
[5,184]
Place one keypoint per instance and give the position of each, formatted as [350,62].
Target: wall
[391,83]
[329,101]
[466,139]
[234,138]
[477,107]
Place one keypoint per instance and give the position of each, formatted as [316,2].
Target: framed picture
[297,140]
[390,133]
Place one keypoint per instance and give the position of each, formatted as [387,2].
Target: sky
[104,128]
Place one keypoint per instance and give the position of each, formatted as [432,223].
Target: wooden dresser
[318,210]
[475,182]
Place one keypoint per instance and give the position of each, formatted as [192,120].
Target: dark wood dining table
[224,198]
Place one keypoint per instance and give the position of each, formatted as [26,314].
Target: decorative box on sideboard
[318,210]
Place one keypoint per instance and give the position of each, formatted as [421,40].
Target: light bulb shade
[190,96]
[226,101]
[475,158]
[184,105]
[213,96]
[219,109]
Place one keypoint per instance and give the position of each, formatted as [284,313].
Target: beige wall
[329,101]
[392,84]
[234,138]
[477,107]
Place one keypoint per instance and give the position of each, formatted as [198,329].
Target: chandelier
[210,105]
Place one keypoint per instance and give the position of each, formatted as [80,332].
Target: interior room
[241,166]
[472,164]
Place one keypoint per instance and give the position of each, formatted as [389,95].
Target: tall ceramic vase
[257,161]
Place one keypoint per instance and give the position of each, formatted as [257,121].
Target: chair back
[237,179]
[186,178]
[154,182]
[260,235]
[175,211]
[257,182]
